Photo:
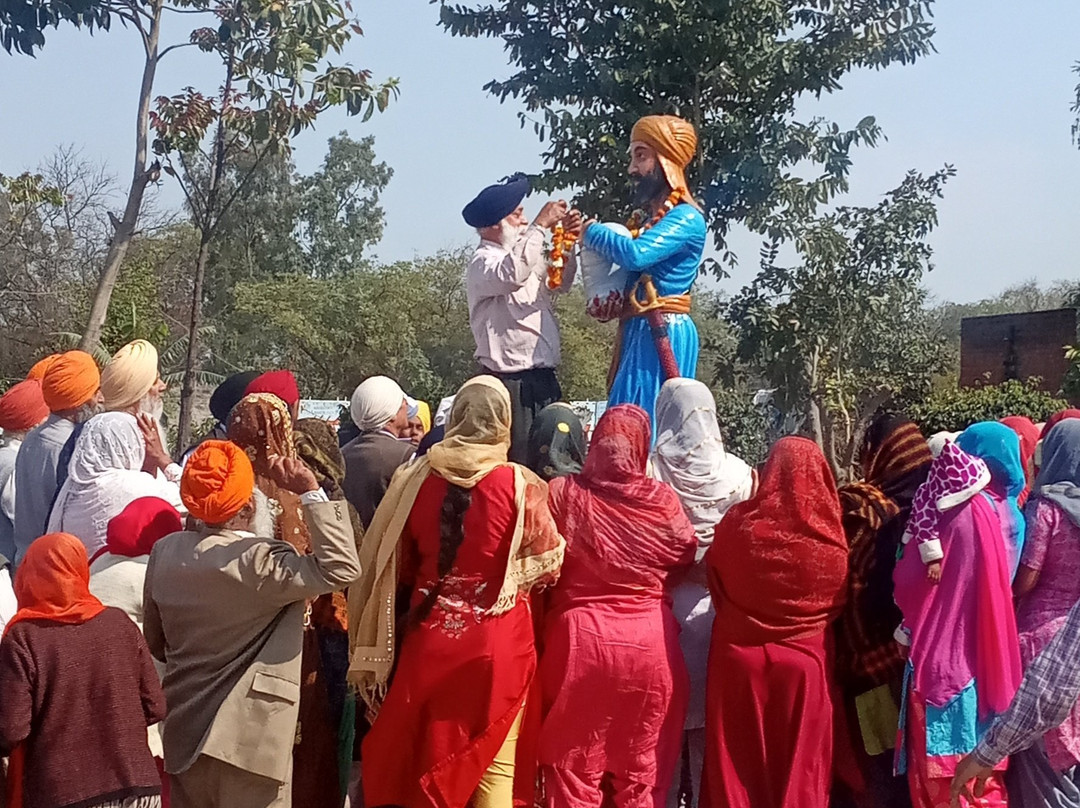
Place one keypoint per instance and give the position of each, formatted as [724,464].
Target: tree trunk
[125,230]
[208,224]
[191,362]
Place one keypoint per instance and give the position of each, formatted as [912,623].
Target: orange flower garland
[635,225]
[561,243]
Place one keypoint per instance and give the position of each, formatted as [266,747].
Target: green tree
[844,332]
[340,216]
[278,78]
[587,69]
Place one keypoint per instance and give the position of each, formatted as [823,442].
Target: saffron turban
[130,374]
[423,411]
[675,142]
[39,368]
[142,524]
[23,407]
[70,381]
[228,394]
[496,202]
[218,482]
[280,383]
[375,402]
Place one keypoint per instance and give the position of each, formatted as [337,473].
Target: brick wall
[1016,346]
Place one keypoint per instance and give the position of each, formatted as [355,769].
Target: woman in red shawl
[1029,435]
[614,681]
[777,573]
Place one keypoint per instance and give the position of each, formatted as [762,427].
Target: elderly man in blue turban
[511,308]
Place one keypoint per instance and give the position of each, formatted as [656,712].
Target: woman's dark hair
[451,535]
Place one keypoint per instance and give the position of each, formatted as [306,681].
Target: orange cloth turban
[71,381]
[130,375]
[23,407]
[675,142]
[218,482]
[38,370]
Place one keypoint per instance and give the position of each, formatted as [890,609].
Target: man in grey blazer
[224,610]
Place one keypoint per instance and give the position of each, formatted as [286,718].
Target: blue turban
[496,202]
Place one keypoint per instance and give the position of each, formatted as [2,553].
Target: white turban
[130,374]
[937,441]
[375,402]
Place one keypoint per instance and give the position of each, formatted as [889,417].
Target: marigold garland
[635,226]
[561,243]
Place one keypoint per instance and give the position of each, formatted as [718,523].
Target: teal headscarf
[999,447]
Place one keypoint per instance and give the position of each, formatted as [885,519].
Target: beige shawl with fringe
[477,440]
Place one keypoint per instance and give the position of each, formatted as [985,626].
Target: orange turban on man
[39,368]
[218,482]
[70,381]
[23,407]
[675,142]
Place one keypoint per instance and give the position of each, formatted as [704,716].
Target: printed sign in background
[326,409]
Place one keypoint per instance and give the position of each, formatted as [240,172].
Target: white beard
[510,233]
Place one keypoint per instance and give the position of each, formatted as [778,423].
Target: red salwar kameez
[462,676]
[615,685]
[777,570]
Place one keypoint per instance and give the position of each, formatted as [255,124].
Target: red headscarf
[629,520]
[1029,436]
[23,407]
[1056,419]
[778,565]
[143,523]
[53,582]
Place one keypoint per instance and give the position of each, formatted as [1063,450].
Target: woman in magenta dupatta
[964,664]
[615,685]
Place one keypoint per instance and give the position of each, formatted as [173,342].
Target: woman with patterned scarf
[895,460]
[261,425]
[464,536]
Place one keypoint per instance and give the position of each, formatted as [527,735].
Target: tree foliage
[23,22]
[587,69]
[845,331]
[953,410]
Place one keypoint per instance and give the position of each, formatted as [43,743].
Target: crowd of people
[482,608]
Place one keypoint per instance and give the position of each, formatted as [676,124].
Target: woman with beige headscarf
[467,535]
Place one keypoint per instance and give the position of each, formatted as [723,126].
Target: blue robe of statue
[669,251]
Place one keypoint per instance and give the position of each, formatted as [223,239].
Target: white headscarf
[442,414]
[105,476]
[375,402]
[938,440]
[690,457]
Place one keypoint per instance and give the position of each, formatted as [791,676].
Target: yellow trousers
[496,788]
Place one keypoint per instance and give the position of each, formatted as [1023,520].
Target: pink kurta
[1052,548]
[615,686]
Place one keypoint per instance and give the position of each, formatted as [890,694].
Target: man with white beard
[511,308]
[132,383]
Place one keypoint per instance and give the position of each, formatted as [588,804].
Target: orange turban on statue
[39,368]
[23,407]
[70,381]
[675,142]
[218,482]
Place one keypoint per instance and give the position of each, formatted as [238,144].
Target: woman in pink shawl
[615,686]
[964,664]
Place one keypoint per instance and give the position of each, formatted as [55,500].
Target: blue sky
[994,102]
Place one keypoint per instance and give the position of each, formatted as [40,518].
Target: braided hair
[451,535]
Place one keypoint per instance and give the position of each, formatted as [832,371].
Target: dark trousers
[530,391]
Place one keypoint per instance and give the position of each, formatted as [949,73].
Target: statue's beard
[649,187]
